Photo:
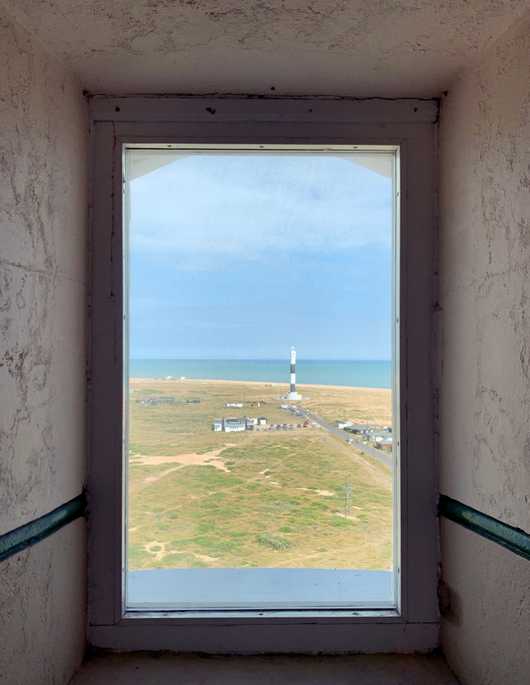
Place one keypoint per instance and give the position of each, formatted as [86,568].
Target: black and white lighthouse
[293,395]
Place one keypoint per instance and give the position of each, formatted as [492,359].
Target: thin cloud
[251,206]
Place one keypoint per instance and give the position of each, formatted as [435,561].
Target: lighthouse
[293,395]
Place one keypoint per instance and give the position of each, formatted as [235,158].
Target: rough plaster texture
[485,357]
[42,626]
[42,357]
[162,669]
[485,284]
[486,631]
[42,281]
[343,47]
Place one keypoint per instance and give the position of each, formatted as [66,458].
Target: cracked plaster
[325,47]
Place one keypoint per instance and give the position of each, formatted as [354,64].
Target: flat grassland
[300,498]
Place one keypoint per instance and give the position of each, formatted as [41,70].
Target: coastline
[142,380]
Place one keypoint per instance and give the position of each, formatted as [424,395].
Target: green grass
[290,499]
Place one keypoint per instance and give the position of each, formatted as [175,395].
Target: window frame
[407,124]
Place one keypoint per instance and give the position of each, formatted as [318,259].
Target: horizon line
[257,359]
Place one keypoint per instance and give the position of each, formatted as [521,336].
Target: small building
[234,405]
[156,401]
[234,425]
[262,420]
[251,421]
[217,425]
[386,443]
[381,438]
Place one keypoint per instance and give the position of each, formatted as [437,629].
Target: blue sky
[243,255]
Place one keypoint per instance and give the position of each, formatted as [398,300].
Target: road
[383,457]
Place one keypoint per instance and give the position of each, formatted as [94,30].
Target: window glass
[261,436]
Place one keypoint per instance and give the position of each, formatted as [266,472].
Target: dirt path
[210,458]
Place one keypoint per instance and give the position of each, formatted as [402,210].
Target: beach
[336,372]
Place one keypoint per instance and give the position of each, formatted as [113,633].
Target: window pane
[261,437]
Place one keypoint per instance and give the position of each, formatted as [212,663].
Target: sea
[350,373]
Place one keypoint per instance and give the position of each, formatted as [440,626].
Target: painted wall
[43,129]
[323,47]
[42,608]
[485,355]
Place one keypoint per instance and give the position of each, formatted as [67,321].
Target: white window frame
[409,125]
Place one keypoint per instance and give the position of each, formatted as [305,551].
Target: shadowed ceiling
[321,47]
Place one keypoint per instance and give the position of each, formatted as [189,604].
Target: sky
[241,256]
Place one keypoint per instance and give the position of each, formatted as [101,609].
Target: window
[245,489]
[261,382]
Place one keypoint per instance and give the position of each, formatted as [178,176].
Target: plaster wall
[486,631]
[485,286]
[43,132]
[323,47]
[42,281]
[484,327]
[42,630]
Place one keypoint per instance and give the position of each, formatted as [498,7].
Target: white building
[234,405]
[217,425]
[234,425]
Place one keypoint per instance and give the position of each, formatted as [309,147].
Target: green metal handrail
[30,533]
[514,539]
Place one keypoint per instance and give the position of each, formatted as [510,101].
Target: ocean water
[366,374]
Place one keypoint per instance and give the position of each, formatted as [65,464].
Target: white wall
[485,356]
[43,132]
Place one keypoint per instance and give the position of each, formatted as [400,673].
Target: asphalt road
[383,457]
